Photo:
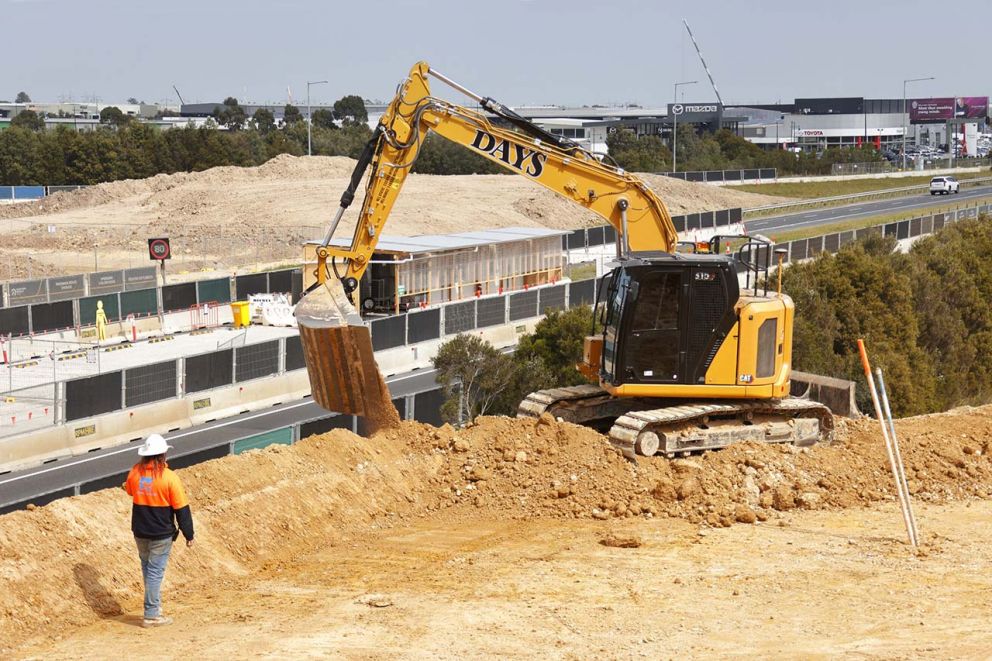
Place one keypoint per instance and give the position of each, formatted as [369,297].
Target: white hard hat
[154,445]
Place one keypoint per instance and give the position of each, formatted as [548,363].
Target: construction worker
[159,502]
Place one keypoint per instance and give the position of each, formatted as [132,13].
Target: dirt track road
[819,584]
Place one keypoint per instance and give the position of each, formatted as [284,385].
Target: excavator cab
[664,315]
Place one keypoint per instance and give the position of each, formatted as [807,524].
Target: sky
[520,52]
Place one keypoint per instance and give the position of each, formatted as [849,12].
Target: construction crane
[680,358]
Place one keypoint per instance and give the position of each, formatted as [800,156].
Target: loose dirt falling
[337,348]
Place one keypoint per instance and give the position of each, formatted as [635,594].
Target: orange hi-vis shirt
[159,502]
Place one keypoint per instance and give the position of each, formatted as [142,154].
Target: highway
[829,216]
[105,468]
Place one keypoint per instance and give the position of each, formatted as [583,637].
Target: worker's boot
[159,621]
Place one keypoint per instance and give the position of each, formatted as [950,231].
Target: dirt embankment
[70,562]
[226,217]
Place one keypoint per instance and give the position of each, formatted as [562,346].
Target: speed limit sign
[158,249]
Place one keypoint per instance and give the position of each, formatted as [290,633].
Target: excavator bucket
[337,348]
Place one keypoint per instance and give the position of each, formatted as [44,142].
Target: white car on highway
[944,185]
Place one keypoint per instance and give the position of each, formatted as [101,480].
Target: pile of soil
[525,469]
[62,563]
[273,208]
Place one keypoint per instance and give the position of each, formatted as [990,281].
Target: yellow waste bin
[242,314]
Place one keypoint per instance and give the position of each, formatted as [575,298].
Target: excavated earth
[523,537]
[230,217]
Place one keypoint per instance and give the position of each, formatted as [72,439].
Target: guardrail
[856,197]
[808,248]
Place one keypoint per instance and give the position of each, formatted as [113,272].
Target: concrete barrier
[836,394]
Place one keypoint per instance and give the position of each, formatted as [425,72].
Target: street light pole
[310,123]
[675,123]
[904,117]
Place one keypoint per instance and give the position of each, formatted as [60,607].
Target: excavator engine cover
[337,348]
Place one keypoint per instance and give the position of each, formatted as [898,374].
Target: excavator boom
[336,344]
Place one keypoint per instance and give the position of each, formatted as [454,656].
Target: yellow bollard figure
[101,322]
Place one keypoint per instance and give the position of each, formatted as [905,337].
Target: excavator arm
[337,345]
[620,198]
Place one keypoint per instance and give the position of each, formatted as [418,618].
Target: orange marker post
[901,488]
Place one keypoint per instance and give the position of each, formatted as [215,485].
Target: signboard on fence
[27,292]
[106,282]
[942,109]
[65,287]
[143,278]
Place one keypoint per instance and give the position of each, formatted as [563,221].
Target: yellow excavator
[680,358]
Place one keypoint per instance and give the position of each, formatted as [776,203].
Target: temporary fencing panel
[150,383]
[256,360]
[938,221]
[297,286]
[93,395]
[551,298]
[178,297]
[193,458]
[246,285]
[914,226]
[575,239]
[581,293]
[282,436]
[281,282]
[388,332]
[324,425]
[845,238]
[427,407]
[141,303]
[523,305]
[831,243]
[294,354]
[213,291]
[491,311]
[40,501]
[459,317]
[423,326]
[594,236]
[14,321]
[209,370]
[87,308]
[798,249]
[51,316]
[101,483]
[902,230]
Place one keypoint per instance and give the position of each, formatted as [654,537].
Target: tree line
[924,316]
[123,148]
[723,150]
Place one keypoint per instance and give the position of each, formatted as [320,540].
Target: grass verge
[813,189]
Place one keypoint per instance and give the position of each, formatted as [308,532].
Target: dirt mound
[524,469]
[273,208]
[66,563]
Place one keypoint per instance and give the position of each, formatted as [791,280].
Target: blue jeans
[154,554]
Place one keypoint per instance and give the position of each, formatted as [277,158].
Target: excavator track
[640,427]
